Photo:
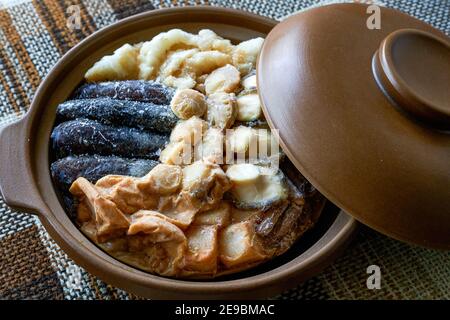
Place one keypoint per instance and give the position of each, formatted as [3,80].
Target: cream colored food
[121,65]
[241,138]
[210,147]
[249,106]
[195,214]
[181,60]
[257,187]
[224,79]
[249,81]
[187,103]
[189,131]
[243,174]
[222,110]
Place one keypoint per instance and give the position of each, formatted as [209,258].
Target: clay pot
[26,183]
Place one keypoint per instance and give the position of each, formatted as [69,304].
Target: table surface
[34,35]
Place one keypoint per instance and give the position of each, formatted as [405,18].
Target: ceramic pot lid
[365,115]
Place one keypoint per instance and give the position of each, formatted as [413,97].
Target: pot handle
[16,185]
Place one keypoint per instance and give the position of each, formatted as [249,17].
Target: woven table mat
[34,35]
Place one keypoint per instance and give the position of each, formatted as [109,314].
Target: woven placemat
[34,35]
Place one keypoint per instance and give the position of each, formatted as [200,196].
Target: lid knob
[412,67]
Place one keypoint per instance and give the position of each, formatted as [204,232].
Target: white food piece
[177,153]
[222,110]
[183,82]
[253,143]
[239,246]
[187,103]
[219,216]
[206,61]
[175,61]
[269,188]
[166,179]
[191,64]
[202,248]
[243,173]
[204,184]
[199,174]
[209,40]
[215,52]
[211,147]
[249,82]
[153,53]
[249,107]
[194,175]
[200,86]
[224,79]
[172,73]
[245,54]
[121,65]
[190,131]
[240,138]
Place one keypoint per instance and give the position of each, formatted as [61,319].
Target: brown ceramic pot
[26,184]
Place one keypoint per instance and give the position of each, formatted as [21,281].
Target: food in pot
[245,53]
[224,79]
[249,106]
[189,131]
[256,187]
[195,66]
[134,90]
[135,114]
[240,139]
[176,58]
[222,110]
[249,81]
[207,52]
[169,164]
[121,65]
[187,103]
[220,216]
[247,141]
[93,167]
[210,148]
[83,136]
[243,174]
[176,152]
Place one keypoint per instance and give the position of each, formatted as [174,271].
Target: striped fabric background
[34,35]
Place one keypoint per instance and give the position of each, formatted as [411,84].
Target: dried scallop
[187,103]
